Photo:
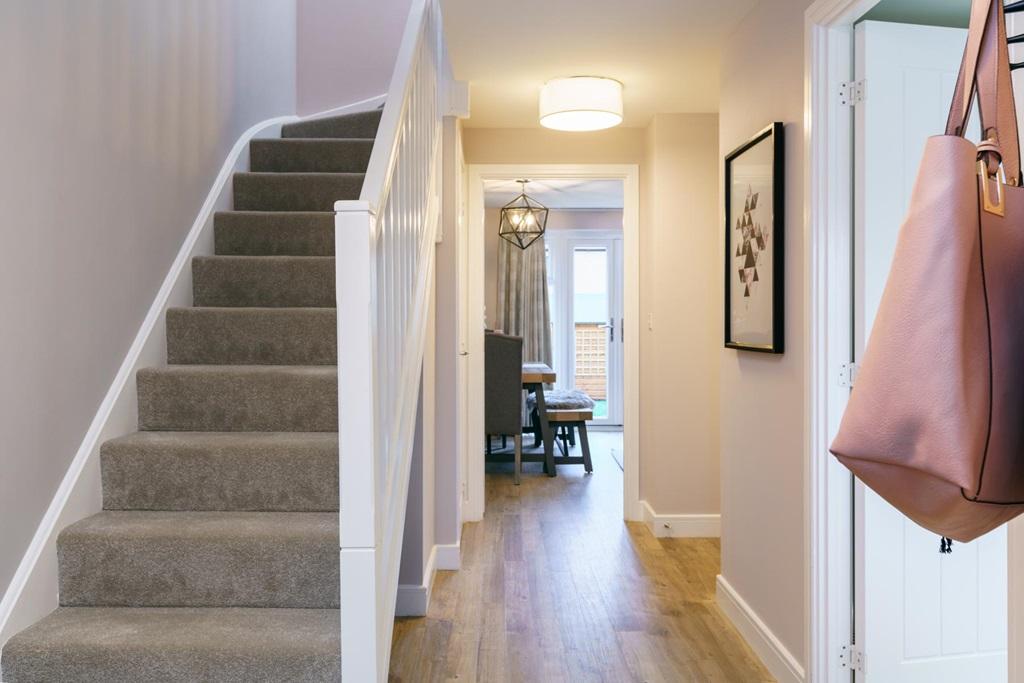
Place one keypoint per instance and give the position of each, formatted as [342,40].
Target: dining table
[535,376]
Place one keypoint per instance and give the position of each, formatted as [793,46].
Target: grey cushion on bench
[572,399]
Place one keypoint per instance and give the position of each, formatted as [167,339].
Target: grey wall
[116,117]
[347,50]
[762,396]
[954,13]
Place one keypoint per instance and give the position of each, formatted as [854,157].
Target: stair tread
[204,525]
[207,370]
[120,644]
[223,439]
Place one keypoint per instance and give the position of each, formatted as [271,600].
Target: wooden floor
[556,587]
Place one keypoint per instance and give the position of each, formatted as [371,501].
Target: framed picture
[754,263]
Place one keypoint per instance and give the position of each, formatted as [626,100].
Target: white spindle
[385,262]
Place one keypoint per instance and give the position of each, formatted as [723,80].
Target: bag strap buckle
[997,208]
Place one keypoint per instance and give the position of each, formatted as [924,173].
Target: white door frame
[828,204]
[473,508]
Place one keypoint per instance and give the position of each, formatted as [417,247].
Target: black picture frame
[741,264]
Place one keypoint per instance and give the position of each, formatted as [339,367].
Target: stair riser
[273,234]
[236,281]
[357,125]
[294,191]
[198,336]
[140,571]
[275,401]
[309,156]
[285,478]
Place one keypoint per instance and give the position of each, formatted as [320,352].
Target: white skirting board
[413,600]
[449,557]
[779,661]
[681,526]
[32,592]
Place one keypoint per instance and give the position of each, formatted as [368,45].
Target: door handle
[610,325]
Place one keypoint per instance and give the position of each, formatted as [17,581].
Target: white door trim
[630,175]
[828,167]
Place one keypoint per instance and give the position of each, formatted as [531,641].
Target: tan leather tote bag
[935,422]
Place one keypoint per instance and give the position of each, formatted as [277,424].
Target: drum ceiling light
[581,103]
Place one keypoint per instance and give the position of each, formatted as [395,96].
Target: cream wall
[346,50]
[680,264]
[116,118]
[762,396]
[678,245]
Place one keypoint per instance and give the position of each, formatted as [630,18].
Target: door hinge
[851,658]
[851,93]
[848,374]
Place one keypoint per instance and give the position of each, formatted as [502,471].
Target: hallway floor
[555,587]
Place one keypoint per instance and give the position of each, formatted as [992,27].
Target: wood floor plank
[556,587]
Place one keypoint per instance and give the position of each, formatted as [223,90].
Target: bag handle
[985,74]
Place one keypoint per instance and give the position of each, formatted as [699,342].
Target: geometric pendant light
[523,219]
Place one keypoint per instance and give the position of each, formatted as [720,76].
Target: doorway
[922,616]
[603,259]
[931,620]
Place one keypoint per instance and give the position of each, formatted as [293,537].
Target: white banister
[384,271]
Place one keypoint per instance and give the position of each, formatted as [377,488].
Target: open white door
[921,617]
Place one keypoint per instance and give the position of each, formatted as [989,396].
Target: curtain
[523,298]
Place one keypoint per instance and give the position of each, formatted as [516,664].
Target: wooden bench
[566,423]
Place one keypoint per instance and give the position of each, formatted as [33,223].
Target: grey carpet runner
[216,555]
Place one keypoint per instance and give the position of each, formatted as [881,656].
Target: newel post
[355,279]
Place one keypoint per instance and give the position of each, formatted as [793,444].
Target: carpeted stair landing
[216,555]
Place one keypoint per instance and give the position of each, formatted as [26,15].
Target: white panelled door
[921,617]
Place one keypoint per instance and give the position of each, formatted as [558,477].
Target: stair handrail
[384,248]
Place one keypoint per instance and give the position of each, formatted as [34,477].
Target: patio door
[585,291]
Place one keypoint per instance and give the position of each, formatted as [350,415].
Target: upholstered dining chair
[503,380]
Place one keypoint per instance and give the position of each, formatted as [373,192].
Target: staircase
[215,557]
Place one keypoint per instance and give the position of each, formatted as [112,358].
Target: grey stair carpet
[359,125]
[238,398]
[252,336]
[261,281]
[216,556]
[274,471]
[273,233]
[200,559]
[319,155]
[294,191]
[172,645]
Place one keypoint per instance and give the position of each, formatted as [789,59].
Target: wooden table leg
[545,430]
[588,465]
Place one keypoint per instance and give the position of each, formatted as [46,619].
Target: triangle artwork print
[751,245]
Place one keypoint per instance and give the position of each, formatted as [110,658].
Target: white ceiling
[557,193]
[665,52]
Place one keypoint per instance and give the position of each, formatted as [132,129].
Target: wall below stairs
[117,117]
